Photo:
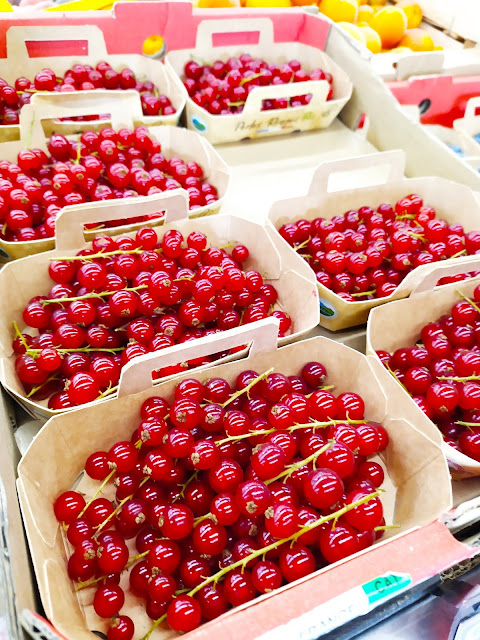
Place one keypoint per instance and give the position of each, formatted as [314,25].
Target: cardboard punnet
[452,201]
[469,126]
[22,279]
[125,109]
[19,63]
[413,460]
[253,122]
[399,323]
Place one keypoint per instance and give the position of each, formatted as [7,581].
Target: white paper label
[344,608]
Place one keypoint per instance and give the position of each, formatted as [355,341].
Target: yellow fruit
[417,40]
[390,23]
[214,4]
[372,39]
[339,10]
[365,14]
[152,45]
[399,50]
[413,11]
[354,31]
[268,3]
[362,2]
[376,3]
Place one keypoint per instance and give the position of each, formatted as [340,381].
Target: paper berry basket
[22,279]
[469,128]
[50,38]
[398,325]
[124,110]
[327,198]
[413,462]
[253,122]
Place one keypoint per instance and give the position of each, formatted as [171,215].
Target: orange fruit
[268,3]
[365,14]
[376,3]
[390,23]
[303,3]
[413,11]
[372,39]
[417,40]
[339,10]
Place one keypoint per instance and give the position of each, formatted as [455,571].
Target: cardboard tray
[398,324]
[19,63]
[253,122]
[124,109]
[469,126]
[452,201]
[414,462]
[22,279]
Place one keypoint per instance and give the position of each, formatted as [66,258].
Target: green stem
[261,552]
[100,254]
[185,485]
[302,245]
[364,293]
[88,296]
[97,492]
[458,379]
[243,562]
[40,386]
[475,306]
[20,335]
[460,253]
[291,468]
[251,384]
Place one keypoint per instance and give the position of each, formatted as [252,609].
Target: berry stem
[20,335]
[302,245]
[242,563]
[458,378]
[364,293]
[386,526]
[108,392]
[100,254]
[40,386]
[153,627]
[291,468]
[463,252]
[185,485]
[84,585]
[90,295]
[250,78]
[251,384]
[475,306]
[97,492]
[114,513]
[36,352]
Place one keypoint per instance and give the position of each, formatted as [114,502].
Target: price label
[342,609]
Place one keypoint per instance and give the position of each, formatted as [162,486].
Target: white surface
[263,171]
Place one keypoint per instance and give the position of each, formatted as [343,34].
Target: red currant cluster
[442,374]
[126,297]
[223,87]
[225,493]
[80,78]
[100,166]
[365,254]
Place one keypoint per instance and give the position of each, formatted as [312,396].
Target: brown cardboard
[294,281]
[399,323]
[253,122]
[414,462]
[327,198]
[125,110]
